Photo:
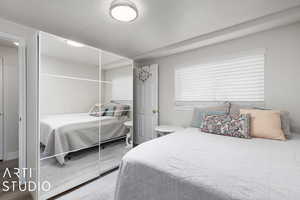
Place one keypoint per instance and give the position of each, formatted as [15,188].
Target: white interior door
[147,105]
[1,111]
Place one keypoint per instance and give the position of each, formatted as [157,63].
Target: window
[238,79]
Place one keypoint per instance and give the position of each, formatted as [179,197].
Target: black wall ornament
[143,73]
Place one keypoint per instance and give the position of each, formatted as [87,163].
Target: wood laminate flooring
[11,195]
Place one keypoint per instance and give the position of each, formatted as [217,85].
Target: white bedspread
[68,132]
[190,165]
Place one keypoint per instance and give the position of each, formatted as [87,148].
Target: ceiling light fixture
[74,44]
[123,10]
[17,44]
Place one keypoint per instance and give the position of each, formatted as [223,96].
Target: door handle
[154,111]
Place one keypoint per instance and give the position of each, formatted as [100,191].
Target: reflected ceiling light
[123,10]
[74,44]
[17,44]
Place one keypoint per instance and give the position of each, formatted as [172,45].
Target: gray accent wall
[282,70]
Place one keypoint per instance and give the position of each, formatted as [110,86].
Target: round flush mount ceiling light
[74,44]
[123,10]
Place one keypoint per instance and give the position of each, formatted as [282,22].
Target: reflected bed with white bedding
[191,165]
[70,132]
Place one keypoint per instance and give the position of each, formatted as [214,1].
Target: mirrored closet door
[86,112]
[117,109]
[69,86]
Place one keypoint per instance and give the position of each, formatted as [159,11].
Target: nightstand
[129,136]
[166,129]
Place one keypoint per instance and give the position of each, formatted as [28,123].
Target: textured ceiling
[161,22]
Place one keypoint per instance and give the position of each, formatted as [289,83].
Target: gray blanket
[65,133]
[191,165]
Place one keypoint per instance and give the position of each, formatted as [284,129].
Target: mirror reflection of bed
[85,105]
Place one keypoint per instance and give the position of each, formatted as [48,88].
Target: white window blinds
[239,79]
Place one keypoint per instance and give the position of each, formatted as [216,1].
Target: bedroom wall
[282,69]
[109,75]
[58,95]
[10,101]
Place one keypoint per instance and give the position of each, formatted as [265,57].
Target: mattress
[64,133]
[190,165]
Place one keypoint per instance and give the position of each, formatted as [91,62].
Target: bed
[190,165]
[63,133]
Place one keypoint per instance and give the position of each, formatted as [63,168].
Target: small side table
[166,129]
[129,136]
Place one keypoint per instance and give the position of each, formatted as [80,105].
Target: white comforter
[191,165]
[70,132]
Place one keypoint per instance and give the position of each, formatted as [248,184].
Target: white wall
[58,95]
[116,73]
[28,34]
[10,108]
[110,75]
[282,69]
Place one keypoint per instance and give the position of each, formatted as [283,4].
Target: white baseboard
[12,155]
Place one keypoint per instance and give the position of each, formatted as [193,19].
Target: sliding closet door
[86,112]
[116,134]
[69,103]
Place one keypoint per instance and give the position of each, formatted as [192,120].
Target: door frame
[22,83]
[2,155]
[141,124]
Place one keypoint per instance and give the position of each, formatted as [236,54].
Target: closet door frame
[22,111]
[22,107]
[2,142]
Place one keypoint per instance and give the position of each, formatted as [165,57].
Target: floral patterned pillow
[229,125]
